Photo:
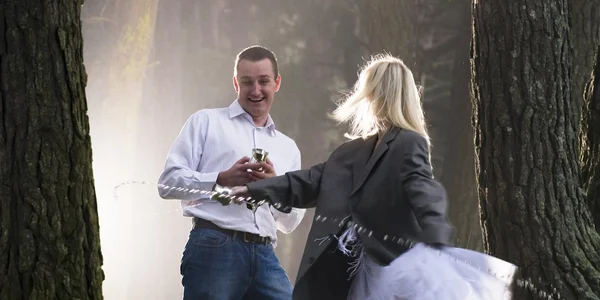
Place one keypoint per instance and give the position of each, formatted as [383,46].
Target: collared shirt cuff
[208,180]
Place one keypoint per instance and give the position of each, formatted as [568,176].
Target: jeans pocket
[209,238]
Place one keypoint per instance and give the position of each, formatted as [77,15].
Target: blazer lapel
[364,164]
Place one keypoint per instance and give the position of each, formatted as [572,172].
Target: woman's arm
[298,189]
[426,195]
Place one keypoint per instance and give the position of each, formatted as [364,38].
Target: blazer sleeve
[299,189]
[426,196]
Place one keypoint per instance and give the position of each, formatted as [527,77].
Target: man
[229,253]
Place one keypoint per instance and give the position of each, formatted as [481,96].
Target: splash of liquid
[523,283]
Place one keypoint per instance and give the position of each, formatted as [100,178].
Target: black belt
[244,236]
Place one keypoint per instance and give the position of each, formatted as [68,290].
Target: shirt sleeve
[183,160]
[288,222]
[426,196]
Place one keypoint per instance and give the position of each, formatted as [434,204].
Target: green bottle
[221,195]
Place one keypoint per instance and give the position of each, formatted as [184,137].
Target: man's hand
[268,171]
[238,174]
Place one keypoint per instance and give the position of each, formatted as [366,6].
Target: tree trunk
[590,142]
[533,210]
[49,233]
[458,170]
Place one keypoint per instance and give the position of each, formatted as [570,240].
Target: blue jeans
[217,267]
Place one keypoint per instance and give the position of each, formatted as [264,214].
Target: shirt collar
[236,110]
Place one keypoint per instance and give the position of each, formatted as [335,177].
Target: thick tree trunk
[49,241]
[590,142]
[533,210]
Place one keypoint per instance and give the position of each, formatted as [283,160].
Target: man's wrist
[219,180]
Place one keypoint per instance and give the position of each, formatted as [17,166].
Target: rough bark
[590,142]
[49,241]
[533,210]
[458,170]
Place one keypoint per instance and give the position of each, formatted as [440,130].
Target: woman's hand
[239,191]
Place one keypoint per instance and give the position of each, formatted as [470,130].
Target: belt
[244,236]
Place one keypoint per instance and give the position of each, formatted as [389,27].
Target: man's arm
[183,160]
[287,223]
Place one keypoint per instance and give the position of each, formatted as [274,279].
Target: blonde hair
[384,96]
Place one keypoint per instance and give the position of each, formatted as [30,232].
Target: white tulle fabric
[426,273]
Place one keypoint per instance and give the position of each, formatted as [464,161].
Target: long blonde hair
[384,96]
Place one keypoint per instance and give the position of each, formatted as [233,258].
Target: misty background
[153,63]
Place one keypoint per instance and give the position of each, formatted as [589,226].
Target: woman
[381,221]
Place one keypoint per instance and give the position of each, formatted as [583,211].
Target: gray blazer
[389,190]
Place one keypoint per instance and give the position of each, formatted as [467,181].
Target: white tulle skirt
[426,273]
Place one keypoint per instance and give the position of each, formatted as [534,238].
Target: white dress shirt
[211,141]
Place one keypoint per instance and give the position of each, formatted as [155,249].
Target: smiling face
[256,85]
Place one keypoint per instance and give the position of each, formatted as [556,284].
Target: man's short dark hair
[257,53]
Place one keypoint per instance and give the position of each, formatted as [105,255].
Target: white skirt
[426,273]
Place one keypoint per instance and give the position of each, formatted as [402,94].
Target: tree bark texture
[49,241]
[533,210]
[590,142]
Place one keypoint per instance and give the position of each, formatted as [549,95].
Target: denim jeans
[217,267]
